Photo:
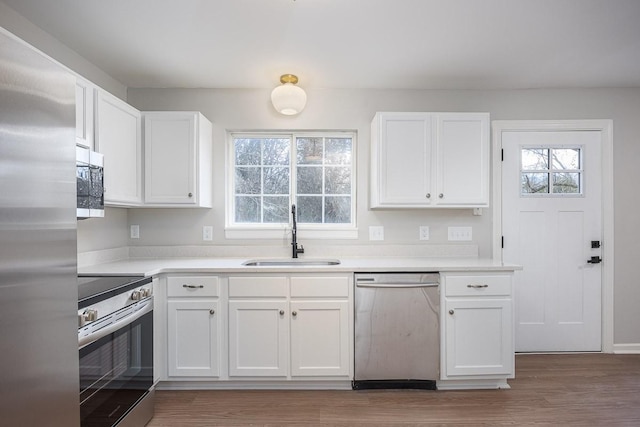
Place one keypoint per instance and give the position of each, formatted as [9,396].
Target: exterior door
[551,222]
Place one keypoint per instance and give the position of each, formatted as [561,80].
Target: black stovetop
[92,289]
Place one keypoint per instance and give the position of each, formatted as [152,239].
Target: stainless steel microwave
[90,180]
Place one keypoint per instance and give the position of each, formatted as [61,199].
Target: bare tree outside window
[314,171]
[551,171]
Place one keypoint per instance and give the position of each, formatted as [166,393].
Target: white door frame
[606,129]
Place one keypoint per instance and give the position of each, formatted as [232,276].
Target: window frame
[234,230]
[550,171]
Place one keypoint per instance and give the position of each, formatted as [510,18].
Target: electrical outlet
[376,232]
[207,232]
[424,232]
[135,231]
[460,233]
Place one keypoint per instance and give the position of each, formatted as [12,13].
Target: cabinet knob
[428,195]
[190,194]
[281,312]
[294,313]
[440,195]
[451,311]
[212,311]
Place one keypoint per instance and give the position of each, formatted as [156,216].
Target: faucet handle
[301,250]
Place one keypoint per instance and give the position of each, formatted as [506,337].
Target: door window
[547,171]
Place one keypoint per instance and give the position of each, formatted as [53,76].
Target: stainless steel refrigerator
[39,378]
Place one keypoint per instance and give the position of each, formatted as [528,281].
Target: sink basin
[290,262]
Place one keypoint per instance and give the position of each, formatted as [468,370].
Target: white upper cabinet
[119,138]
[177,159]
[421,160]
[462,166]
[85,93]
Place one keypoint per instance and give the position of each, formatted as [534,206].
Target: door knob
[451,312]
[212,311]
[281,312]
[294,313]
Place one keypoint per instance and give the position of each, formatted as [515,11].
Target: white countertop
[154,266]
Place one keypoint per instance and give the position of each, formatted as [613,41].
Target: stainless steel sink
[290,262]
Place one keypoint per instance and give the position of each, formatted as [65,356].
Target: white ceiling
[412,44]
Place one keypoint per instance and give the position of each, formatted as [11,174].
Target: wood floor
[559,390]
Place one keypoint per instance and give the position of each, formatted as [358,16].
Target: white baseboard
[626,348]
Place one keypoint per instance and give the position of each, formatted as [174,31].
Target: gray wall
[15,23]
[354,109]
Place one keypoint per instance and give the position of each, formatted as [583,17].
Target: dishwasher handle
[397,285]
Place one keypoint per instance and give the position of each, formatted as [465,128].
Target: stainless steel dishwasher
[397,338]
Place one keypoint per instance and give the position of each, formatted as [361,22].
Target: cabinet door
[462,159]
[401,155]
[193,338]
[170,158]
[84,113]
[319,338]
[118,137]
[258,338]
[478,337]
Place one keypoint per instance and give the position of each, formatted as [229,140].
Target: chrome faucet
[294,235]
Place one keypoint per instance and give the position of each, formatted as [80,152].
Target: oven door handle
[95,336]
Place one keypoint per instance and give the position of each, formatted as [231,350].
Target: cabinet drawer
[464,286]
[258,287]
[193,286]
[319,287]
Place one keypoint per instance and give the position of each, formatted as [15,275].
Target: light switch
[376,232]
[460,233]
[135,231]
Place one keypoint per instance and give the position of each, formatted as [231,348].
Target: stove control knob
[90,315]
[135,296]
[145,292]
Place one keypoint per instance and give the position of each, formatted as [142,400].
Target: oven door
[116,369]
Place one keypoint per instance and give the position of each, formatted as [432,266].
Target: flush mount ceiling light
[288,98]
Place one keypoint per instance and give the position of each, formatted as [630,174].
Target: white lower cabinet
[193,326]
[477,332]
[289,327]
[319,338]
[258,336]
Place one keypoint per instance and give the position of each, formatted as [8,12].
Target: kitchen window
[271,171]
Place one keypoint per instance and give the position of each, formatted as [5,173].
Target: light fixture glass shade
[288,98]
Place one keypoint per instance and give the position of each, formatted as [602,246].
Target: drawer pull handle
[193,286]
[477,286]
